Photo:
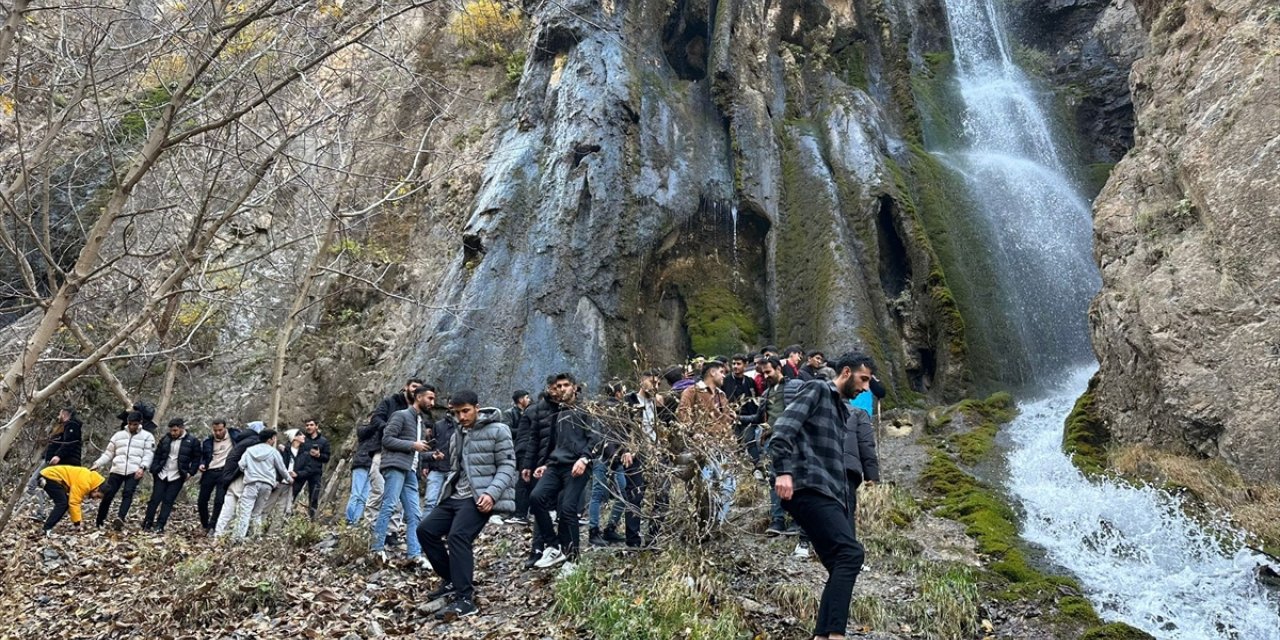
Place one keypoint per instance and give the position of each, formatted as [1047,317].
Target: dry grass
[1253,507]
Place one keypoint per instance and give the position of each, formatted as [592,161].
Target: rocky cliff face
[1188,238]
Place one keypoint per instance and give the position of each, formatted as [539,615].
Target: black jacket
[206,447]
[861,462]
[189,454]
[306,466]
[576,434]
[389,405]
[534,433]
[247,440]
[441,437]
[368,443]
[65,444]
[737,390]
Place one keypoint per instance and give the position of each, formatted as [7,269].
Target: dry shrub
[490,29]
[1254,507]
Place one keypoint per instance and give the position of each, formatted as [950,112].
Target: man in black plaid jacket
[808,462]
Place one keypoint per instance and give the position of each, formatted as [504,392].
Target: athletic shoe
[444,591]
[793,530]
[459,608]
[550,558]
[118,524]
[802,550]
[496,520]
[422,563]
[519,521]
[595,539]
[612,536]
[776,529]
[532,560]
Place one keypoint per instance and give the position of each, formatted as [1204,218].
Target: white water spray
[1140,559]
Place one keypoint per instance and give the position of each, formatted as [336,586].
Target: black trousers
[313,483]
[211,486]
[109,488]
[448,539]
[633,496]
[58,494]
[523,490]
[163,495]
[559,490]
[827,523]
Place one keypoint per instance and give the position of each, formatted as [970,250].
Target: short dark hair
[519,393]
[428,387]
[673,374]
[465,396]
[266,434]
[795,348]
[770,348]
[564,375]
[304,423]
[134,416]
[815,352]
[612,387]
[221,421]
[721,359]
[413,380]
[551,379]
[711,365]
[854,360]
[423,390]
[741,357]
[177,422]
[772,361]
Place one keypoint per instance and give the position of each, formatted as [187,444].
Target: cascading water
[1140,559]
[1038,224]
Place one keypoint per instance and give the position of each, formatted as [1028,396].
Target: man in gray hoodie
[263,469]
[481,482]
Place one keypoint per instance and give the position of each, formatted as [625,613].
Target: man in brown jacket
[705,408]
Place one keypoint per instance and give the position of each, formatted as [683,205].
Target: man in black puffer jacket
[177,458]
[562,472]
[309,466]
[533,436]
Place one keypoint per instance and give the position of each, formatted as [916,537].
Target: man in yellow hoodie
[68,486]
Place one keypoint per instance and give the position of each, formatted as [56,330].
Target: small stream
[1140,559]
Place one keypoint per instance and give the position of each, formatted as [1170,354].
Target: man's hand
[870,483]
[439,455]
[315,453]
[526,474]
[579,467]
[293,474]
[421,445]
[202,469]
[54,460]
[485,503]
[782,487]
[627,459]
[138,474]
[537,473]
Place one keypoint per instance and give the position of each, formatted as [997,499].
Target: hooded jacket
[262,463]
[486,453]
[249,439]
[65,442]
[126,452]
[78,481]
[188,455]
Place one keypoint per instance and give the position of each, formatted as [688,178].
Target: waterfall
[1033,216]
[1140,559]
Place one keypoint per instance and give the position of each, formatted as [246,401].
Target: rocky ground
[923,579]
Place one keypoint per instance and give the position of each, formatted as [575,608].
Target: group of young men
[244,475]
[803,421]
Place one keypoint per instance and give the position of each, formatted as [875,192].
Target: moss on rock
[1116,631]
[718,321]
[1085,434]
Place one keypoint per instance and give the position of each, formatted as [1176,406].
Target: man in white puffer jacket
[128,455]
[263,468]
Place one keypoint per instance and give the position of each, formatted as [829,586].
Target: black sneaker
[459,608]
[611,536]
[595,539]
[118,524]
[444,591]
[532,560]
[777,529]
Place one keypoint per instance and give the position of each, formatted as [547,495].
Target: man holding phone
[309,467]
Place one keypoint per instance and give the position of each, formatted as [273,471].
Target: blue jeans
[359,495]
[716,477]
[600,492]
[435,482]
[404,485]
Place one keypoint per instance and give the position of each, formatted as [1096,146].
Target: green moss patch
[976,443]
[718,322]
[1116,631]
[1085,435]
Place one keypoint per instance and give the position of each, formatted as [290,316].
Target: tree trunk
[291,321]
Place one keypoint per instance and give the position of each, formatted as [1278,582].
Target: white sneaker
[423,563]
[495,520]
[802,551]
[551,557]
